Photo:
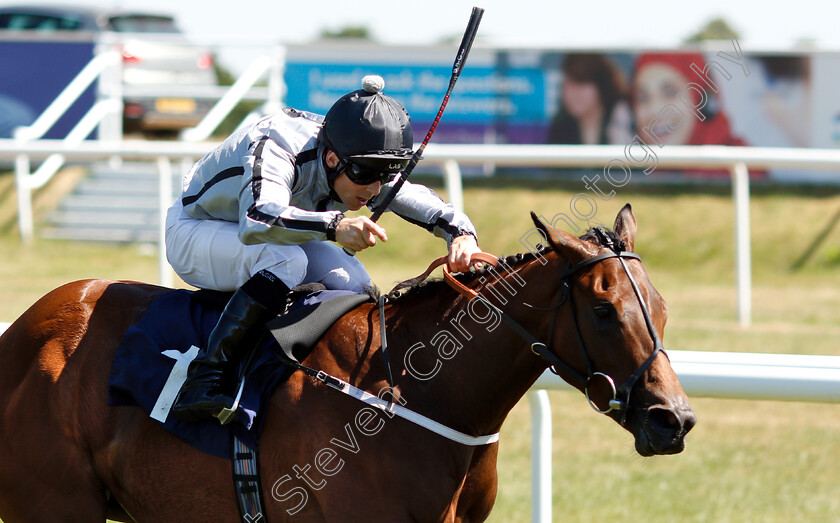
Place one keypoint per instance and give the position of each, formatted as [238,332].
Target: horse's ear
[625,226]
[565,244]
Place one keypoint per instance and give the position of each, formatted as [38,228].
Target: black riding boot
[206,393]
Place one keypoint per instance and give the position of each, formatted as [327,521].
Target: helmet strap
[331,172]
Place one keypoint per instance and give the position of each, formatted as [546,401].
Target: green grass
[746,461]
[753,461]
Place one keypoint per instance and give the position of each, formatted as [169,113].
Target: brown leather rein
[479,257]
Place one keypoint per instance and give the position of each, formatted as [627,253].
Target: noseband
[620,395]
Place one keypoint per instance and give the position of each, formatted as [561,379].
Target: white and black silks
[270,178]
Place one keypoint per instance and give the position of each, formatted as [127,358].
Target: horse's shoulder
[363,310]
[350,342]
[359,320]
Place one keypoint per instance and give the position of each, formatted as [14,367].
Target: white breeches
[208,254]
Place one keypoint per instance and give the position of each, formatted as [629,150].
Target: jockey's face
[352,195]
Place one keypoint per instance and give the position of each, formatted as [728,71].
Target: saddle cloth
[151,361]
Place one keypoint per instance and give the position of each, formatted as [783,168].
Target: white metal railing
[737,160]
[745,375]
[68,96]
[87,151]
[271,65]
[105,68]
[734,375]
[109,104]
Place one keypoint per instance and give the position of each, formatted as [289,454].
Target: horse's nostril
[666,428]
[664,418]
[671,419]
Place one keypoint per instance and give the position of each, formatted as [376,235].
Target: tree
[716,29]
[359,32]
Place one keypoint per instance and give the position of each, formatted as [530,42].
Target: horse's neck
[466,368]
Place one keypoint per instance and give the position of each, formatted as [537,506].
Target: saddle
[151,361]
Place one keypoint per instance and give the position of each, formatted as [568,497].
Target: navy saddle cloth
[152,360]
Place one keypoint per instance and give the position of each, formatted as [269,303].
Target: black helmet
[369,129]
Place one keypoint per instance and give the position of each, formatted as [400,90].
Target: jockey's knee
[289,263]
[342,279]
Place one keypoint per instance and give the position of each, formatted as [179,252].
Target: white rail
[737,160]
[734,375]
[678,157]
[742,375]
[271,65]
[102,112]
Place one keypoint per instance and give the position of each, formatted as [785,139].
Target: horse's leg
[159,478]
[480,486]
[35,496]
[45,474]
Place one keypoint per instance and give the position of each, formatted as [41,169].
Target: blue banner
[33,74]
[485,100]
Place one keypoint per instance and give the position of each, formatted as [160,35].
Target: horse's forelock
[592,237]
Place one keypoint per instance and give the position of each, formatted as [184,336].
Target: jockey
[258,215]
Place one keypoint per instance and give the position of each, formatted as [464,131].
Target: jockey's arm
[421,206]
[265,211]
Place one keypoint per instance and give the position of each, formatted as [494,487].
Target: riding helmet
[369,128]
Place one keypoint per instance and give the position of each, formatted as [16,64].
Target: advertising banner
[727,96]
[32,74]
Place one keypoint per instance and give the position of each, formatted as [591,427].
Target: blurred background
[104,106]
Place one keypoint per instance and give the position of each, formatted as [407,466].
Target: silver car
[163,73]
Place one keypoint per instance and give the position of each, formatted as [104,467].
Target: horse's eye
[602,311]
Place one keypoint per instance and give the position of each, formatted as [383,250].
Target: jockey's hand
[359,233]
[460,253]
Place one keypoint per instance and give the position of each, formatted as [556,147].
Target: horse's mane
[433,285]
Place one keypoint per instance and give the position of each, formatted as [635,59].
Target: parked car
[163,73]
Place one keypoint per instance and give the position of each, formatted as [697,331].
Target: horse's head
[616,318]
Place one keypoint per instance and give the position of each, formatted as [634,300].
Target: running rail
[732,375]
[737,160]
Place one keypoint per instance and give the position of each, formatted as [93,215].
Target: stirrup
[227,414]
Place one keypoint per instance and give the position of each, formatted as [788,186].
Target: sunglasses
[364,175]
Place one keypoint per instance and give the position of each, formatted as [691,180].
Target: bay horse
[66,455]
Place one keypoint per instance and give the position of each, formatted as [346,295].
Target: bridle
[620,395]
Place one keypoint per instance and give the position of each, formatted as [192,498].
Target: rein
[620,395]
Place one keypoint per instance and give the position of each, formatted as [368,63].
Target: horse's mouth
[645,447]
[660,430]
